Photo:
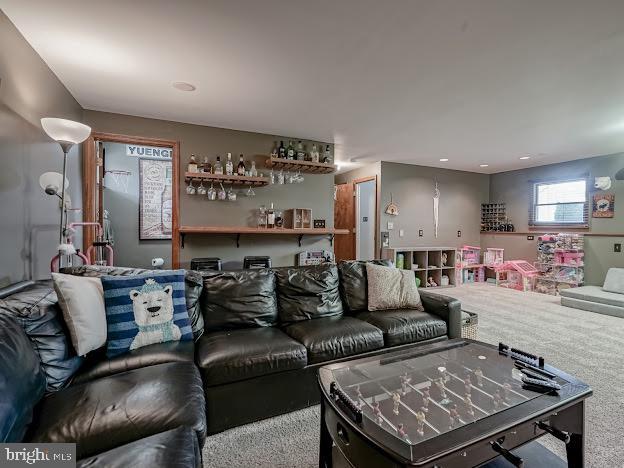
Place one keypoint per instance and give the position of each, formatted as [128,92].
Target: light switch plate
[401,232]
[390,225]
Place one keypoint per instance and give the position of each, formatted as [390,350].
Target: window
[559,203]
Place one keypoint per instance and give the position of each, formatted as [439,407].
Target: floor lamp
[66,133]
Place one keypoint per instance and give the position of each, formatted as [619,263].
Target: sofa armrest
[446,308]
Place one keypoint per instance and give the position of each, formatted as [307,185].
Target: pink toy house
[570,257]
[493,256]
[516,274]
[468,266]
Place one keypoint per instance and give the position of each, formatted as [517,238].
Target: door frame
[89,170]
[377,214]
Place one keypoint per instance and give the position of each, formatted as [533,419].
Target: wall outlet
[617,247]
[530,237]
[458,233]
[420,233]
[385,239]
[401,232]
[390,225]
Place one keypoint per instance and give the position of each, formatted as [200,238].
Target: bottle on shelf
[270,217]
[301,154]
[290,153]
[218,167]
[229,165]
[274,151]
[192,165]
[240,169]
[282,150]
[315,156]
[253,172]
[206,166]
[327,155]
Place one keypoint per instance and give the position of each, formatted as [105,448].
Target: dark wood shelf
[302,166]
[226,179]
[240,230]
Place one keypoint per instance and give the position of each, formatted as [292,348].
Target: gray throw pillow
[391,288]
[614,282]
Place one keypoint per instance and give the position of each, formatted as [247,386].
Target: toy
[396,400]
[420,421]
[516,274]
[493,256]
[444,259]
[431,283]
[467,265]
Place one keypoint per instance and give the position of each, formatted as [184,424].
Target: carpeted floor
[587,345]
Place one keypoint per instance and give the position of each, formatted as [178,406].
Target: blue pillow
[145,309]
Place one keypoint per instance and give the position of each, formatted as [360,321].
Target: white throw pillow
[82,302]
[614,282]
[391,288]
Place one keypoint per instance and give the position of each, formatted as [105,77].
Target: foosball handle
[507,455]
[561,435]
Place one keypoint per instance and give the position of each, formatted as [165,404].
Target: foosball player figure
[402,433]
[497,399]
[453,416]
[479,375]
[420,423]
[426,393]
[444,375]
[439,383]
[425,404]
[467,389]
[377,413]
[405,380]
[469,405]
[396,399]
[506,390]
[467,380]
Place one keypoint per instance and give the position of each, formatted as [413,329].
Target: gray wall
[29,91]
[412,189]
[316,192]
[514,189]
[124,213]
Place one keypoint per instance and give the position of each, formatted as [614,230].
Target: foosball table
[460,403]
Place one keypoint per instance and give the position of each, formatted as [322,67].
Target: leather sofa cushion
[332,338]
[310,292]
[122,408]
[22,384]
[97,365]
[230,356]
[177,448]
[37,311]
[238,299]
[353,285]
[401,326]
[192,288]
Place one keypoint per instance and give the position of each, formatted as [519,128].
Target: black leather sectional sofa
[261,336]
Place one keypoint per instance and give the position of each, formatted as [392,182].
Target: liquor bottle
[271,217]
[206,166]
[290,154]
[240,170]
[327,155]
[229,165]
[301,154]
[274,151]
[282,150]
[314,154]
[192,165]
[218,167]
[166,204]
[253,172]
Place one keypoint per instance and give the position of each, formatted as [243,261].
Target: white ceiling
[475,81]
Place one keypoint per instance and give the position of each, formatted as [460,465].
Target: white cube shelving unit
[425,262]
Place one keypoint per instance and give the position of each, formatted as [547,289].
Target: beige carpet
[589,346]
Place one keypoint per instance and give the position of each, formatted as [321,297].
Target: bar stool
[256,262]
[207,263]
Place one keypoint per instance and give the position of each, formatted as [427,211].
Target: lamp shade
[52,181]
[67,131]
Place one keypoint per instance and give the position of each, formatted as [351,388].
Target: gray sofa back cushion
[614,282]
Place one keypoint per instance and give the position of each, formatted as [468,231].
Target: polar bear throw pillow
[145,309]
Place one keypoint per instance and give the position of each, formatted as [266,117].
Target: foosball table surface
[406,400]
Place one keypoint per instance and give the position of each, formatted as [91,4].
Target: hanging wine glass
[201,190]
[231,194]
[280,177]
[212,193]
[250,192]
[190,189]
[221,195]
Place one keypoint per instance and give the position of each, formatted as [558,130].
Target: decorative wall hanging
[155,202]
[436,203]
[392,208]
[602,183]
[603,205]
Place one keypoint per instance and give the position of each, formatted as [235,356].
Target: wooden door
[344,218]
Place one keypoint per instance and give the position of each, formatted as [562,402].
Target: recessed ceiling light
[443,159]
[525,157]
[183,86]
[483,165]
